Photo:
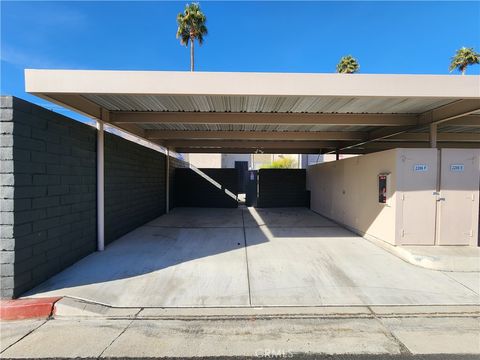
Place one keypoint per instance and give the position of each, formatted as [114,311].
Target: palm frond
[192,24]
[463,58]
[348,65]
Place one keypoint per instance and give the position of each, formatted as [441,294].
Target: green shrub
[284,163]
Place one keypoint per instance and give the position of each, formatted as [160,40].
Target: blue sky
[385,37]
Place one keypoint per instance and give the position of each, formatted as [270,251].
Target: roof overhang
[243,112]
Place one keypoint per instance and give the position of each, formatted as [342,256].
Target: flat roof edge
[53,81]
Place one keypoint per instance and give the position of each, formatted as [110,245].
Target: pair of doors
[441,207]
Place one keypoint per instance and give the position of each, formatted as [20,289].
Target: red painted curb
[27,308]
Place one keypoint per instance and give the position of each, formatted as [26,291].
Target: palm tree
[348,65]
[463,58]
[191,26]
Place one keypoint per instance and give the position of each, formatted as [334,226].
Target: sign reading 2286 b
[420,167]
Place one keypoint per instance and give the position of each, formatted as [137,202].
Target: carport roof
[273,112]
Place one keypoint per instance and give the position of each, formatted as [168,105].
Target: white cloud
[28,29]
[29,59]
[53,15]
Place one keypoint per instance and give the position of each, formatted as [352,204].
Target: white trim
[167,182]
[100,187]
[261,84]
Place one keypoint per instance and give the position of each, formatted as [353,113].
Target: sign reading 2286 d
[420,167]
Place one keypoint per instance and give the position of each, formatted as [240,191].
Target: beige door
[418,173]
[458,199]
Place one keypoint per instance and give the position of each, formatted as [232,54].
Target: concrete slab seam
[389,334]
[111,343]
[246,259]
[24,336]
[446,274]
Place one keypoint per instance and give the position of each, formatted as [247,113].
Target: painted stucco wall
[205,160]
[347,192]
[228,160]
[424,206]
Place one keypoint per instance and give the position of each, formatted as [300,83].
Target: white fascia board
[251,84]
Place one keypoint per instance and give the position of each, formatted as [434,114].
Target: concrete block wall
[134,186]
[174,164]
[7,242]
[195,189]
[282,188]
[48,194]
[228,178]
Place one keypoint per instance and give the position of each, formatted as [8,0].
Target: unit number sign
[457,167]
[420,167]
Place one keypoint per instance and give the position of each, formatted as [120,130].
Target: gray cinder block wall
[48,192]
[174,164]
[195,190]
[134,186]
[282,188]
[7,243]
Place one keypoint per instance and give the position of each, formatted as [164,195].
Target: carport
[255,257]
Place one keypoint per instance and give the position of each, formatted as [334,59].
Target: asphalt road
[308,357]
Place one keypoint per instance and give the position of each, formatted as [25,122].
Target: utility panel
[382,188]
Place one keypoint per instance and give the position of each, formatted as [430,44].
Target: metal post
[167,183]
[337,154]
[100,188]
[433,135]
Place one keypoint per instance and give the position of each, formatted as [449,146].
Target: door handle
[441,199]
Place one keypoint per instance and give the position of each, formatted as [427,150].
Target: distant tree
[191,27]
[283,163]
[463,58]
[348,65]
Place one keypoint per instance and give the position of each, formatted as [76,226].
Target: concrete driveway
[196,257]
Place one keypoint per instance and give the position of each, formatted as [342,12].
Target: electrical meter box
[382,187]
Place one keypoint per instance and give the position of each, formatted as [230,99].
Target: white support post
[167,183]
[433,136]
[100,188]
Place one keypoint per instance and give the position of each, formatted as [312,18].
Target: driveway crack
[115,339]
[24,336]
[465,286]
[246,260]
[389,334]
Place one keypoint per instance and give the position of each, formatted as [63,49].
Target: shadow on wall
[206,187]
[184,235]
